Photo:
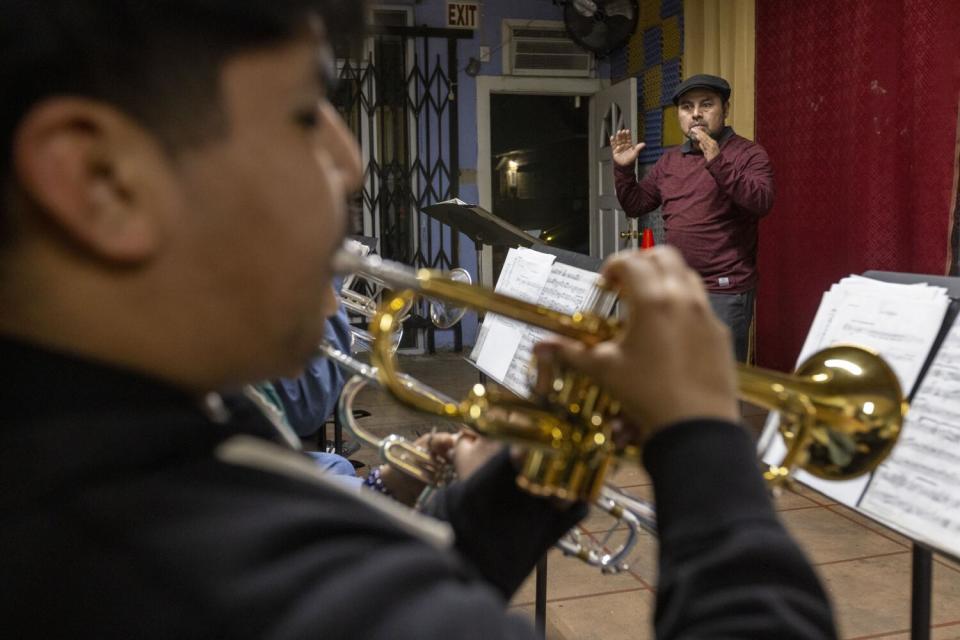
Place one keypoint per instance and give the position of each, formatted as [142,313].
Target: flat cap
[703,81]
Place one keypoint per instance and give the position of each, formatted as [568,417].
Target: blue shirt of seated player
[310,399]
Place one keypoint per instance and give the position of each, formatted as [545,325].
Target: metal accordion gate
[400,100]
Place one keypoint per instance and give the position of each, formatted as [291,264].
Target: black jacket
[129,509]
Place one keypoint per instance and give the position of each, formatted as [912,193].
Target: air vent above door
[543,48]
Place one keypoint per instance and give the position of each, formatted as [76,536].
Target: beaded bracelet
[374,480]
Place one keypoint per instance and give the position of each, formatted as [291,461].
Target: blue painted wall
[432,13]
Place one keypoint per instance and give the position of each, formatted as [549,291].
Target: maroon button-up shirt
[710,209]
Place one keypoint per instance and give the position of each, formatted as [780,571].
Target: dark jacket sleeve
[488,509]
[749,183]
[637,198]
[264,556]
[309,399]
[727,566]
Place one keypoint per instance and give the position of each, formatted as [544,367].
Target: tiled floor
[865,567]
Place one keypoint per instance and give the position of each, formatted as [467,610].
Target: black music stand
[572,258]
[483,227]
[479,225]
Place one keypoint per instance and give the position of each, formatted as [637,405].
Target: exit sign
[463,15]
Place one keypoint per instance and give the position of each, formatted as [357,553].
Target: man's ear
[84,164]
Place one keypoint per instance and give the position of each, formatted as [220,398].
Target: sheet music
[900,322]
[504,338]
[524,275]
[566,290]
[556,285]
[917,490]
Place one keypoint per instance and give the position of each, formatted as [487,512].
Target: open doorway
[539,169]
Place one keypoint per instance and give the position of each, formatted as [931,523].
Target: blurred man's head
[171,191]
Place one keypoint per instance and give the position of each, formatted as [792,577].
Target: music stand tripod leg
[540,606]
[921,593]
[478,246]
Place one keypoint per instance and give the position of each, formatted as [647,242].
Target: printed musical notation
[567,290]
[557,286]
[898,321]
[917,490]
[524,275]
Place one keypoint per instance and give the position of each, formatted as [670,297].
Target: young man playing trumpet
[174,181]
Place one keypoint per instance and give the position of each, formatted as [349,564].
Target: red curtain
[857,105]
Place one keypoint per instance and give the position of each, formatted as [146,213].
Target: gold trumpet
[841,411]
[394,450]
[633,514]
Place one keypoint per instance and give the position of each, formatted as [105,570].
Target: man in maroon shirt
[713,188]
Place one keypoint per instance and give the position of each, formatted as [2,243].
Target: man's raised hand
[624,151]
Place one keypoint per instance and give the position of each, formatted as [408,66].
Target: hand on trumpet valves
[407,489]
[672,358]
[464,452]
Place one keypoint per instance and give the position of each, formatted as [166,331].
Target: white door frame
[529,85]
[608,222]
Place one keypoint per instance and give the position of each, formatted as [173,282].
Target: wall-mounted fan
[601,26]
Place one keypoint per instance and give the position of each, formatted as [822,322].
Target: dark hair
[156,60]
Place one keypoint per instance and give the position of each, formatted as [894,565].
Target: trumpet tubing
[358,303]
[571,443]
[841,411]
[636,515]
[631,515]
[362,340]
[443,316]
[394,450]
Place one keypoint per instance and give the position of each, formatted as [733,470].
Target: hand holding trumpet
[671,361]
[406,488]
[465,451]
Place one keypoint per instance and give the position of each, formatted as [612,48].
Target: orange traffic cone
[647,240]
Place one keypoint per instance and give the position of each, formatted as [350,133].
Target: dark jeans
[736,310]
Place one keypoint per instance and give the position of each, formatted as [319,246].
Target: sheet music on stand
[899,321]
[916,491]
[504,346]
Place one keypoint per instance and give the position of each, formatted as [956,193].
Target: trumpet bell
[853,411]
[444,315]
